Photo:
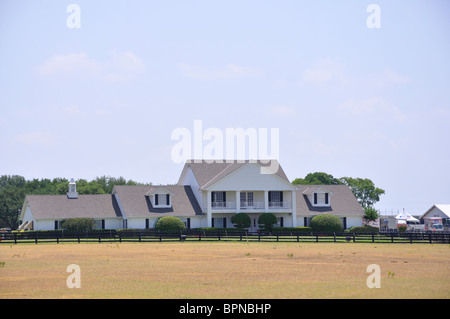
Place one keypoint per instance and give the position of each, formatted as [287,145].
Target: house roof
[136,202]
[208,172]
[444,208]
[342,201]
[61,207]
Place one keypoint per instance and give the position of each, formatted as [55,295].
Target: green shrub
[326,223]
[241,220]
[170,223]
[363,229]
[402,228]
[266,221]
[78,224]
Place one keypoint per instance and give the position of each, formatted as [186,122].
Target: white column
[266,201]
[208,209]
[238,201]
[294,210]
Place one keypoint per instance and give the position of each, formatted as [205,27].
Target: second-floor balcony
[249,206]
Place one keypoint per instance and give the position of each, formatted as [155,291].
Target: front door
[253,224]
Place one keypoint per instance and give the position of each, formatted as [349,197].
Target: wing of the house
[336,200]
[46,212]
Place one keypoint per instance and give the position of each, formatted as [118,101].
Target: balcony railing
[252,205]
[276,205]
[223,205]
[249,205]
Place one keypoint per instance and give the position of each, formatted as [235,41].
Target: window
[246,199]
[321,199]
[162,200]
[275,199]
[218,199]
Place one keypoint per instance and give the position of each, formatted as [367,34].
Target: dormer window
[160,197]
[321,199]
[318,196]
[162,200]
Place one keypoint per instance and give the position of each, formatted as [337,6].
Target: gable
[249,177]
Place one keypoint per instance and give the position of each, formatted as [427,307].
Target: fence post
[15,238]
[354,239]
[429,235]
[78,237]
[410,238]
[36,237]
[334,236]
[392,237]
[373,238]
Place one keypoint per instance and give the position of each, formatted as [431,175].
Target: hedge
[363,229]
[170,223]
[326,223]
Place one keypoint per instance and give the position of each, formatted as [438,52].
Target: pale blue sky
[348,100]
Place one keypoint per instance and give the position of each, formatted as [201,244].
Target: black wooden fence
[119,236]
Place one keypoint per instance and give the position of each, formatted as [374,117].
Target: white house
[437,216]
[208,194]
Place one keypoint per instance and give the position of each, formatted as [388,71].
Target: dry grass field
[224,270]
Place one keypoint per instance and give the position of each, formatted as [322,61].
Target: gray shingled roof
[208,172]
[136,204]
[61,207]
[342,201]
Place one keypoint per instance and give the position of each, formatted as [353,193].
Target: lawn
[224,270]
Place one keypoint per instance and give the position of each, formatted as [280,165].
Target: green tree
[364,190]
[12,195]
[371,214]
[317,178]
[267,220]
[241,220]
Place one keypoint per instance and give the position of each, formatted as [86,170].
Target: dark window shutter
[326,198]
[188,223]
[281,197]
[281,222]
[270,196]
[103,224]
[344,222]
[224,196]
[56,224]
[305,221]
[147,223]
[224,222]
[156,199]
[212,222]
[167,199]
[315,198]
